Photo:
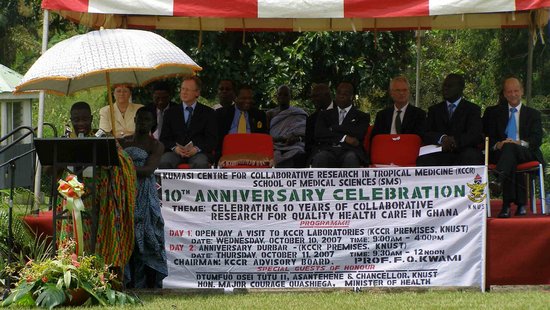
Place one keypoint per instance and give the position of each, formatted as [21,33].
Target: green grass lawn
[532,298]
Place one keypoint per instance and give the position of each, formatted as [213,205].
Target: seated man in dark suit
[455,125]
[340,132]
[401,117]
[321,97]
[243,117]
[226,94]
[189,130]
[515,135]
[162,101]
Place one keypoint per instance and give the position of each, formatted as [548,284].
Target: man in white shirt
[515,135]
[454,124]
[162,101]
[340,131]
[189,130]
[401,117]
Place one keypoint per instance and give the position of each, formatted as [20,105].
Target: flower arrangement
[57,281]
[72,191]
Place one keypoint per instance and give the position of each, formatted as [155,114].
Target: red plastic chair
[395,150]
[529,169]
[247,150]
[366,140]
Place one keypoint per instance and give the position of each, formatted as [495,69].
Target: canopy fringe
[244,31]
[199,44]
[375,34]
[537,21]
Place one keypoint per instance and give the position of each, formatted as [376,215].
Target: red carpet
[518,249]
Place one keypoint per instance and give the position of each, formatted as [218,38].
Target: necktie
[511,128]
[342,116]
[241,128]
[160,115]
[190,110]
[398,122]
[452,107]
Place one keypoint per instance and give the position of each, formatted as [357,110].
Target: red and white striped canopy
[299,15]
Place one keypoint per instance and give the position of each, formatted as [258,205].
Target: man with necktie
[401,117]
[243,117]
[189,130]
[515,135]
[455,125]
[162,101]
[340,131]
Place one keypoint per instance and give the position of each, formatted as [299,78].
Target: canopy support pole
[41,99]
[529,82]
[419,34]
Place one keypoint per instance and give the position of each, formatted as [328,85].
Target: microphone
[68,131]
[81,135]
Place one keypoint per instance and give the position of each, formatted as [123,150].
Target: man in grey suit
[189,131]
[340,131]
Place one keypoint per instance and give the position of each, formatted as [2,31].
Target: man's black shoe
[495,188]
[521,211]
[504,212]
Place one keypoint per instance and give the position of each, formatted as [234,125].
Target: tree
[21,32]
[267,60]
[18,33]
[485,57]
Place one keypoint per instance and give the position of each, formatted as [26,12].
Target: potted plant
[64,279]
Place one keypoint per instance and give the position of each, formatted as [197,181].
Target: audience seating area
[255,150]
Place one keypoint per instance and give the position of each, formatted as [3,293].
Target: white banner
[446,7]
[135,7]
[300,8]
[316,228]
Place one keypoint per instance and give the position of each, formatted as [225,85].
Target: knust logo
[477,190]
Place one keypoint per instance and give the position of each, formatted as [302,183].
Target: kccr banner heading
[324,228]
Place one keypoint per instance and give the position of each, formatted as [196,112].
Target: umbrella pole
[41,100]
[111,108]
